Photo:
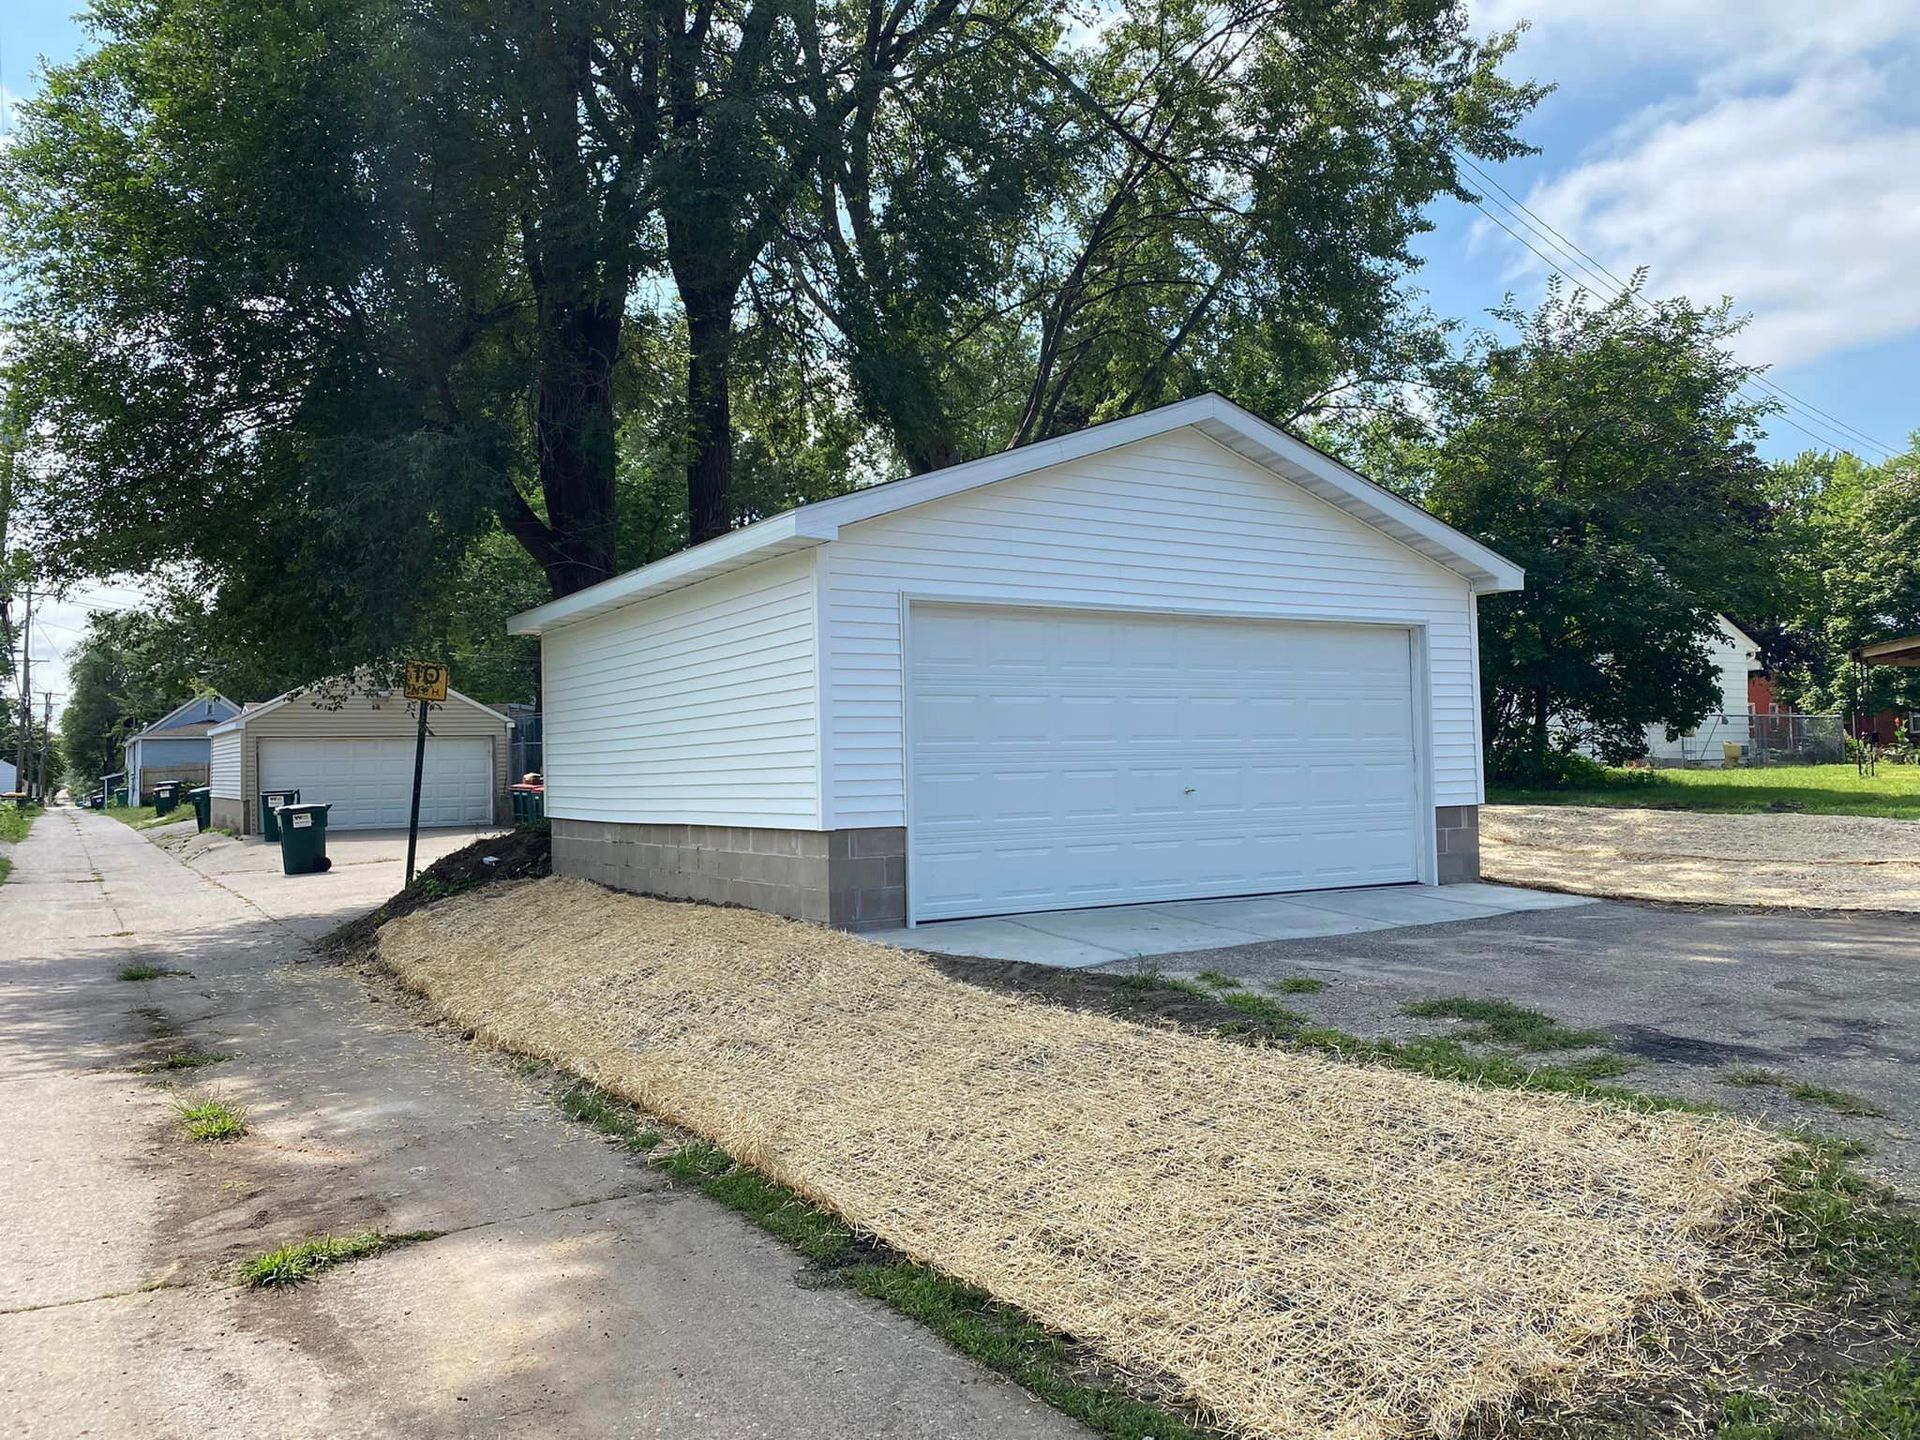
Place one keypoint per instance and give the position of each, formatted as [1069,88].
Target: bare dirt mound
[523,854]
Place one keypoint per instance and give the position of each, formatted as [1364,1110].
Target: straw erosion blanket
[1820,862]
[1301,1245]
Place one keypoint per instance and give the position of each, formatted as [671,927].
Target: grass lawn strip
[1829,862]
[1892,793]
[1439,1248]
[15,822]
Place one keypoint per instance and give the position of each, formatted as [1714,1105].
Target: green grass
[1261,1008]
[296,1264]
[1299,985]
[212,1119]
[1893,793]
[15,822]
[142,971]
[1878,1404]
[591,1105]
[1500,1022]
[1749,1077]
[6,868]
[1218,980]
[188,1059]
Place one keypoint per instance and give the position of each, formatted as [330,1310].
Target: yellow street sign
[426,680]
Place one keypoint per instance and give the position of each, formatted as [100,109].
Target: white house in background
[1735,656]
[353,749]
[8,778]
[1178,655]
[175,746]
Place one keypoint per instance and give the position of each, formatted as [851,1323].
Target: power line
[1593,268]
[1825,441]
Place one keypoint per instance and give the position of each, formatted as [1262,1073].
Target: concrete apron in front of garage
[1076,939]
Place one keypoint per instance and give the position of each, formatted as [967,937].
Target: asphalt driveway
[1691,994]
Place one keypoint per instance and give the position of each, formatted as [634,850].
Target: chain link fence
[1744,738]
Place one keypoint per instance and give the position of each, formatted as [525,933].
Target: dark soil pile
[523,854]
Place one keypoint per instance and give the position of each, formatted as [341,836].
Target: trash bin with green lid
[270,802]
[166,797]
[303,839]
[202,799]
[120,796]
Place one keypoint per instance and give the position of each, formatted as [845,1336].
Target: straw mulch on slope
[1819,862]
[1302,1245]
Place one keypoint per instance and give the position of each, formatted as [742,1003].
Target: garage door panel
[369,781]
[1064,759]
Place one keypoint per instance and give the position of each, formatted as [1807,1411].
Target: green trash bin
[202,799]
[166,797]
[303,839]
[120,796]
[270,802]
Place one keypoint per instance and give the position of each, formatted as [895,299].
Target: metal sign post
[426,684]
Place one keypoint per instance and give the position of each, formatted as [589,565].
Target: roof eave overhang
[778,535]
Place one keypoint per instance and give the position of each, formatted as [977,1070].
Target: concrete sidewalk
[574,1292]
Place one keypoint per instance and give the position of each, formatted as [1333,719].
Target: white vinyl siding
[1175,523]
[697,706]
[223,776]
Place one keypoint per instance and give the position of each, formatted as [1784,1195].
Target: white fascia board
[778,534]
[1320,474]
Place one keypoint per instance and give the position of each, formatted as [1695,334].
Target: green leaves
[1608,449]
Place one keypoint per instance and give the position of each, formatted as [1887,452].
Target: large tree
[1852,560]
[1608,448]
[319,295]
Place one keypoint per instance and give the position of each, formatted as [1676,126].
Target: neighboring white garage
[354,751]
[1174,656]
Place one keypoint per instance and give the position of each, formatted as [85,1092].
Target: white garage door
[369,783]
[1065,759]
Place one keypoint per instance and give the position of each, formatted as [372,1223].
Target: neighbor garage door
[369,783]
[1063,759]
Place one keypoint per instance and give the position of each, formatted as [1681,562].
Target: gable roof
[191,728]
[1215,416]
[266,707]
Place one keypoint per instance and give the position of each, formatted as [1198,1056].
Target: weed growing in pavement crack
[188,1059]
[212,1119]
[295,1264]
[150,972]
[1748,1077]
[1501,1022]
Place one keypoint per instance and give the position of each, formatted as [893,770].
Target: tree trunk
[709,421]
[574,424]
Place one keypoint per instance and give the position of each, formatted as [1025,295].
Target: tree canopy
[320,297]
[1607,447]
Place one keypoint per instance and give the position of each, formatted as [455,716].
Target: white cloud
[1803,205]
[1782,168]
[1727,41]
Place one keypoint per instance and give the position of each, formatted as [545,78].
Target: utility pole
[23,747]
[46,729]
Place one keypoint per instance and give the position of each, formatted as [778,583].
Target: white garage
[352,748]
[369,782]
[1064,759]
[1178,656]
